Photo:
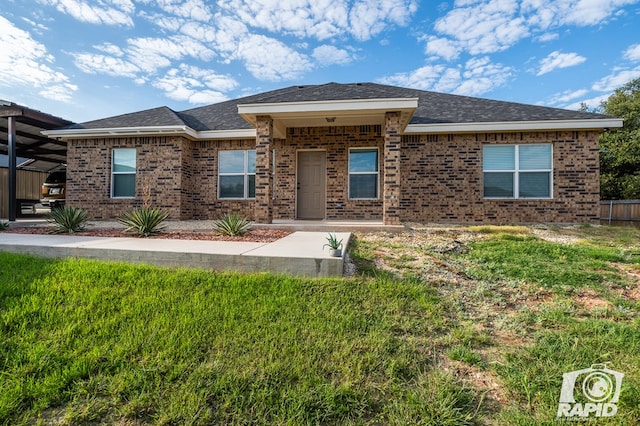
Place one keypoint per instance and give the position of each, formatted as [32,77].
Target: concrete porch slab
[300,253]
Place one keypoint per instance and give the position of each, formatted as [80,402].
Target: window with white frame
[123,173]
[517,171]
[363,173]
[237,174]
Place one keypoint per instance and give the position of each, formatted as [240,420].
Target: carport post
[12,167]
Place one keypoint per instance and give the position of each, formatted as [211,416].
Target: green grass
[545,263]
[86,341]
[421,335]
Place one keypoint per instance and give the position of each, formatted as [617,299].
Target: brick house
[343,152]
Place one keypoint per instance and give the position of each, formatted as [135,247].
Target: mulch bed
[255,235]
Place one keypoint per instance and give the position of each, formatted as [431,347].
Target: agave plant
[332,242]
[68,219]
[4,226]
[144,221]
[232,224]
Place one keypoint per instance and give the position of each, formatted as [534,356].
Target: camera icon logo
[591,392]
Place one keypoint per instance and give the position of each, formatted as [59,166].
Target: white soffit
[151,131]
[337,107]
[515,126]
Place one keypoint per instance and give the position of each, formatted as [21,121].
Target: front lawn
[440,326]
[87,341]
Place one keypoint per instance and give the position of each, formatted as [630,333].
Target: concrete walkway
[300,253]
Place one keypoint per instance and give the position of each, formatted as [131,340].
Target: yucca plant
[4,226]
[144,221]
[68,219]
[232,225]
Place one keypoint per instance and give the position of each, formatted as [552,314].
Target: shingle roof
[161,116]
[432,108]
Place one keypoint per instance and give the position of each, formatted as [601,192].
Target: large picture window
[363,173]
[237,174]
[123,173]
[517,171]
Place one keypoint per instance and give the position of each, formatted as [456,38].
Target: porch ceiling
[328,113]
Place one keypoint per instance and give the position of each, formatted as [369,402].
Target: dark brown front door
[312,184]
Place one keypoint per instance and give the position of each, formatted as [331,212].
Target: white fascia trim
[510,126]
[228,134]
[390,104]
[121,131]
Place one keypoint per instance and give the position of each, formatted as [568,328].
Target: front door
[312,184]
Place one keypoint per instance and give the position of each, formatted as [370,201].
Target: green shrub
[4,226]
[68,219]
[144,221]
[232,225]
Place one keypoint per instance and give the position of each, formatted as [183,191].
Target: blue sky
[89,59]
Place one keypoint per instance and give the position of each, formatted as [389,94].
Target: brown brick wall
[89,176]
[441,176]
[442,179]
[204,200]
[336,141]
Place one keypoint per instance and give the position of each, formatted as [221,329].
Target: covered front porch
[305,162]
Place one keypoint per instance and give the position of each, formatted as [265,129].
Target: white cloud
[110,48]
[26,63]
[618,78]
[109,12]
[189,9]
[478,76]
[590,103]
[102,64]
[270,59]
[480,27]
[482,76]
[321,19]
[141,55]
[329,55]
[195,85]
[368,18]
[443,47]
[556,60]
[489,26]
[633,53]
[566,96]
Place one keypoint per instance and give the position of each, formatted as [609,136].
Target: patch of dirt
[483,380]
[255,235]
[555,237]
[590,299]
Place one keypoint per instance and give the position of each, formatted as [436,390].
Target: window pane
[498,157]
[363,186]
[498,185]
[231,186]
[363,160]
[124,185]
[252,186]
[535,157]
[124,160]
[535,185]
[251,166]
[231,161]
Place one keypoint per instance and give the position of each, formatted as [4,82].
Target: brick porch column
[263,212]
[391,170]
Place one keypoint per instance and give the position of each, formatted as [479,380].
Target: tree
[620,148]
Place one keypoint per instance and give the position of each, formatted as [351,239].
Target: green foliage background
[620,148]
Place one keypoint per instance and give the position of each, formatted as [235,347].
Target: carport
[21,136]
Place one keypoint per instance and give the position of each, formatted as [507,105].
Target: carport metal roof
[46,153]
[21,135]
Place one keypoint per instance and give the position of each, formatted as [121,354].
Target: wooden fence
[28,184]
[620,212]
